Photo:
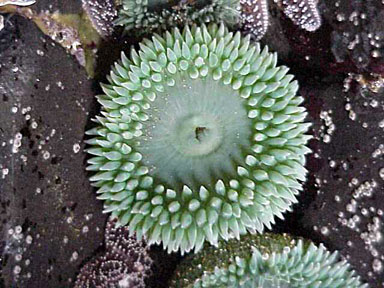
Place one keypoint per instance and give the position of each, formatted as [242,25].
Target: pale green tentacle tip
[154,15]
[266,261]
[201,137]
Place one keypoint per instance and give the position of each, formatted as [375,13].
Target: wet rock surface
[70,6]
[347,212]
[50,218]
[51,222]
[342,204]
[350,39]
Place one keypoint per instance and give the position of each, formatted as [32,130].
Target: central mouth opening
[200,132]
[196,133]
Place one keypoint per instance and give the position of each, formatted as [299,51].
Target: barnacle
[265,261]
[358,33]
[126,262]
[255,15]
[202,137]
[154,15]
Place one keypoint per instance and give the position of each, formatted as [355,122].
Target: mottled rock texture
[342,205]
[46,101]
[350,38]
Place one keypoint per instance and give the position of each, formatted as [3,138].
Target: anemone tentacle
[153,15]
[266,261]
[202,137]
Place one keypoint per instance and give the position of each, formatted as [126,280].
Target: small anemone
[126,262]
[202,138]
[153,15]
[265,261]
[255,15]
[304,13]
[101,14]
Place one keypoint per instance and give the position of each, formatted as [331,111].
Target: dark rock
[50,218]
[350,38]
[358,33]
[68,6]
[342,205]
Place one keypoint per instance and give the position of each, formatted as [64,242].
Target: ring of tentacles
[265,261]
[201,138]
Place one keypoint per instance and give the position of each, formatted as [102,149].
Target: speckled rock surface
[350,39]
[50,219]
[354,178]
[51,222]
[69,6]
[342,205]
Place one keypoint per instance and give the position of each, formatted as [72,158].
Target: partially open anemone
[153,15]
[265,261]
[255,15]
[101,13]
[202,138]
[126,262]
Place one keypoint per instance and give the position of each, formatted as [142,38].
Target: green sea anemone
[146,16]
[202,138]
[265,261]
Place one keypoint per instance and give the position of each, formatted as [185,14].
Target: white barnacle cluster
[365,221]
[358,32]
[327,130]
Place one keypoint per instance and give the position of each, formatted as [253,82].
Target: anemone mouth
[197,133]
[201,138]
[265,261]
